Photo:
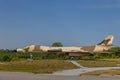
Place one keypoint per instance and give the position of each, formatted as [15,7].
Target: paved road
[77,72]
[30,76]
[77,64]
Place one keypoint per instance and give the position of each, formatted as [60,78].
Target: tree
[57,44]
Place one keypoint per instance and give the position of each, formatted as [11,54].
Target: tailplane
[107,41]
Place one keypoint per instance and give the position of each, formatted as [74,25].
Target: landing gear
[72,58]
[91,54]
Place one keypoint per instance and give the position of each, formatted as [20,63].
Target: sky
[71,22]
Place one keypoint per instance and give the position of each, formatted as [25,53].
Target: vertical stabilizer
[107,41]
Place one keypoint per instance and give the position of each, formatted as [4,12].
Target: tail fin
[107,41]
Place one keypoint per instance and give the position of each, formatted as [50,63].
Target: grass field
[100,63]
[49,66]
[112,72]
[36,66]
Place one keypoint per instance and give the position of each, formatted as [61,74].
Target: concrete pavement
[31,76]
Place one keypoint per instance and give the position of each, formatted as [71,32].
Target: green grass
[36,66]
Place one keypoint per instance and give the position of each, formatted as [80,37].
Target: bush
[106,55]
[6,58]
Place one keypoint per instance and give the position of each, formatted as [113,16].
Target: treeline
[12,55]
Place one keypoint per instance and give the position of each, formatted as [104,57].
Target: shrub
[6,58]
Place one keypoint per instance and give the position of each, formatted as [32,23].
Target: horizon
[71,22]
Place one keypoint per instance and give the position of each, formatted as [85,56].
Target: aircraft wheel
[72,58]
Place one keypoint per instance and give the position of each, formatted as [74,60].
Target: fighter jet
[73,50]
